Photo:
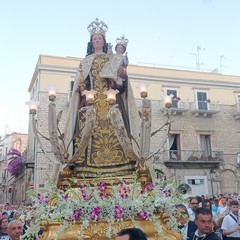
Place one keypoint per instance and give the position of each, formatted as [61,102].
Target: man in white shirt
[230,225]
[223,209]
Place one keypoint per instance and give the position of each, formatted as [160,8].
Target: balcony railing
[191,158]
[204,108]
[29,159]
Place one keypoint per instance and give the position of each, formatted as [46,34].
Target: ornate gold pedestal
[97,231]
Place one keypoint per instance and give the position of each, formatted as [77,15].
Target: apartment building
[205,131]
[12,187]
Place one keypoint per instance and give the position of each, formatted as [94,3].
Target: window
[202,100]
[174,100]
[70,90]
[205,146]
[71,85]
[195,181]
[174,147]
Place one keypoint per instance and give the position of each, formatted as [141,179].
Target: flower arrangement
[93,203]
[15,162]
[177,99]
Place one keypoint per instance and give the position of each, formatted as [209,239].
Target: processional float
[94,201]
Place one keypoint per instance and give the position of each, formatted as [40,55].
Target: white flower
[83,204]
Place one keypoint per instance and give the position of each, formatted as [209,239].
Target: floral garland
[95,203]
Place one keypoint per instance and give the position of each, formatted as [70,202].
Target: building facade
[12,188]
[205,132]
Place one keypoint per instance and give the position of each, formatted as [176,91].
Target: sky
[163,33]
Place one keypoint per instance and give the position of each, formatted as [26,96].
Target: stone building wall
[43,166]
[223,128]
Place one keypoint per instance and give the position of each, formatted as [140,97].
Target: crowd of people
[11,228]
[209,218]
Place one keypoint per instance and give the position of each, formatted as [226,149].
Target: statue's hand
[111,83]
[122,73]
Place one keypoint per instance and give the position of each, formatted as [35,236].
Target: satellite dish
[184,189]
[238,198]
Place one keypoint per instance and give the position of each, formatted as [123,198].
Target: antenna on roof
[199,48]
[221,65]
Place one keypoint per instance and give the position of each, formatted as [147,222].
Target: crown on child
[122,40]
[97,26]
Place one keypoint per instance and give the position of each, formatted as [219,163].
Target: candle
[52,93]
[89,96]
[143,87]
[111,95]
[33,105]
[168,101]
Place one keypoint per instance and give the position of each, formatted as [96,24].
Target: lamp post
[168,101]
[145,131]
[143,87]
[52,93]
[33,106]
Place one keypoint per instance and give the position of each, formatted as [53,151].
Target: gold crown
[122,40]
[97,26]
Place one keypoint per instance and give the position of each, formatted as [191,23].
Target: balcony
[204,108]
[178,107]
[191,159]
[29,159]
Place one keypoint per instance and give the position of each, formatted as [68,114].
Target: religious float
[104,177]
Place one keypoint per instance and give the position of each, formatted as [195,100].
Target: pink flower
[84,193]
[118,212]
[177,98]
[64,196]
[95,213]
[76,215]
[102,187]
[103,195]
[167,192]
[42,199]
[147,188]
[143,214]
[124,190]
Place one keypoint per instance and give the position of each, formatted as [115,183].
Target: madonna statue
[100,138]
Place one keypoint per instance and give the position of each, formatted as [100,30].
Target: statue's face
[120,49]
[97,41]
